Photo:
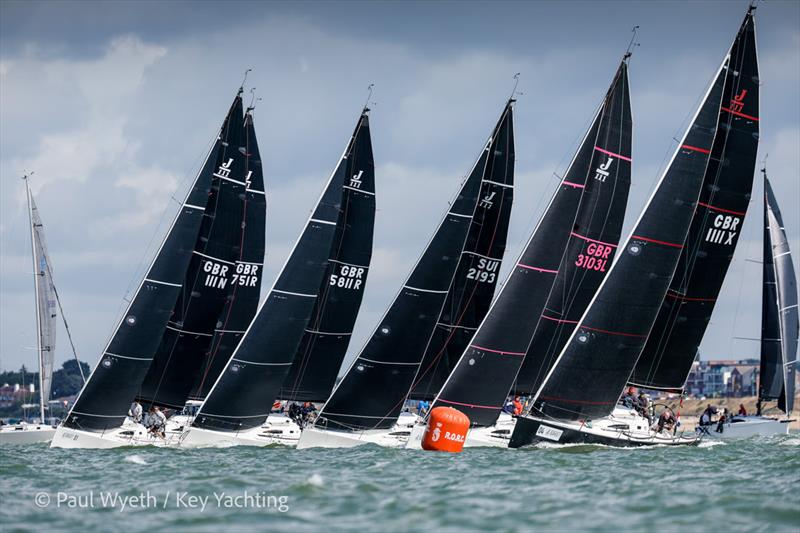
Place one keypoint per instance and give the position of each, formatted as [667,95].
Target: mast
[590,372]
[36,292]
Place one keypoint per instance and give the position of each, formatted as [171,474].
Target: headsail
[581,223]
[45,303]
[473,287]
[686,311]
[243,394]
[779,319]
[590,372]
[242,302]
[105,398]
[372,392]
[208,282]
[327,336]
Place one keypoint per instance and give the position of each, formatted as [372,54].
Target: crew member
[666,421]
[135,412]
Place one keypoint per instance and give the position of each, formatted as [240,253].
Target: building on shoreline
[723,378]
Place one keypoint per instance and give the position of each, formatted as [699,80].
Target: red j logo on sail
[737,102]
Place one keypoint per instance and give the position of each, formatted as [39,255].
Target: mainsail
[327,336]
[207,284]
[727,185]
[372,392]
[779,316]
[243,394]
[105,398]
[242,301]
[565,258]
[45,303]
[587,377]
[473,287]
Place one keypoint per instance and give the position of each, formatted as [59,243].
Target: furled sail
[327,336]
[779,315]
[566,257]
[242,302]
[45,303]
[686,311]
[208,281]
[476,278]
[243,394]
[590,372]
[105,398]
[373,390]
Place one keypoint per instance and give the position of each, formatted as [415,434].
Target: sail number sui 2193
[485,272]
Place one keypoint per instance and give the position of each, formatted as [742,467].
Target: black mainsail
[566,256]
[590,372]
[686,311]
[779,315]
[372,392]
[242,302]
[243,394]
[207,284]
[327,336]
[476,278]
[105,398]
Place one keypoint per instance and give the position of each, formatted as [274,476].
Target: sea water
[748,485]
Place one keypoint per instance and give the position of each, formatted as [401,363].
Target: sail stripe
[386,362]
[608,332]
[780,255]
[501,352]
[212,257]
[229,330]
[578,235]
[671,294]
[173,328]
[559,320]
[230,179]
[358,190]
[737,113]
[468,252]
[455,326]
[612,154]
[151,280]
[573,185]
[295,293]
[715,208]
[259,363]
[322,221]
[459,214]
[201,208]
[348,264]
[440,399]
[507,186]
[695,148]
[423,290]
[545,270]
[317,332]
[255,191]
[129,357]
[656,241]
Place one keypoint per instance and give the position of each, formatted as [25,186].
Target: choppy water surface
[751,485]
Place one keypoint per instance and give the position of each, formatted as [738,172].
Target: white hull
[396,437]
[26,434]
[741,427]
[130,434]
[278,429]
[496,436]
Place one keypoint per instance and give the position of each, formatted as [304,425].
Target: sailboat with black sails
[576,402]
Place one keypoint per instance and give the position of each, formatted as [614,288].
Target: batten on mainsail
[586,209]
[104,400]
[243,393]
[716,226]
[372,392]
[590,372]
[208,283]
[779,320]
[241,303]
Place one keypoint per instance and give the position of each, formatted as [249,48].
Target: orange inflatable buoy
[447,430]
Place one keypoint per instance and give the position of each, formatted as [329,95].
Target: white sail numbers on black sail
[243,394]
[372,392]
[105,398]
[590,372]
[208,281]
[574,242]
[686,311]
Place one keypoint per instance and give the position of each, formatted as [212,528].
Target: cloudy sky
[113,105]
